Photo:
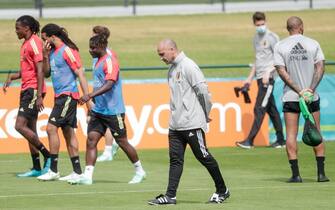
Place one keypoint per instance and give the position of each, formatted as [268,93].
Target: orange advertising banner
[147,114]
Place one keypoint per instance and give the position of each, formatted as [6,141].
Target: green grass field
[256,179]
[208,39]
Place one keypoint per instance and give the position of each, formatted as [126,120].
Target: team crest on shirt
[178,76]
[264,43]
[23,56]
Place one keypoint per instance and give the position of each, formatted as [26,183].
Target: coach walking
[190,106]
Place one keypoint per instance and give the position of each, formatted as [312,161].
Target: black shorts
[64,112]
[100,123]
[28,107]
[293,106]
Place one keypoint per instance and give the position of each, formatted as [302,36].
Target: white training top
[264,48]
[298,54]
[186,112]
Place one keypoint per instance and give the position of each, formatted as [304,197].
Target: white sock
[108,150]
[138,167]
[89,172]
[114,143]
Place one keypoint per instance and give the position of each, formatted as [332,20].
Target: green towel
[311,135]
[304,110]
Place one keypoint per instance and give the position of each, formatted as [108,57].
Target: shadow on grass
[107,181]
[284,180]
[190,202]
[12,173]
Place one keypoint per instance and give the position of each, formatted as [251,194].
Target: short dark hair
[294,23]
[257,16]
[99,41]
[101,30]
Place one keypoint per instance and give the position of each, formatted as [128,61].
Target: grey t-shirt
[264,48]
[298,54]
[186,111]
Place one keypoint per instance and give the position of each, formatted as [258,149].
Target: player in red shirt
[33,90]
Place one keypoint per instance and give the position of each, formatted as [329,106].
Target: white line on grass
[157,190]
[23,160]
[10,161]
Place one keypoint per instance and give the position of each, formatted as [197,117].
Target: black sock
[36,161]
[76,164]
[294,167]
[44,151]
[320,164]
[54,162]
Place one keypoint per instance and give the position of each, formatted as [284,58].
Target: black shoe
[278,144]
[162,200]
[244,144]
[219,198]
[322,178]
[295,179]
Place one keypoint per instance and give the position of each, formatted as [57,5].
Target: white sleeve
[278,56]
[204,97]
[319,56]
[273,41]
[194,74]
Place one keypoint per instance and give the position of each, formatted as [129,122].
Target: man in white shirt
[299,61]
[263,69]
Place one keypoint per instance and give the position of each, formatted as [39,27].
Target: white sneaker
[219,198]
[81,180]
[73,175]
[104,157]
[115,148]
[137,178]
[49,176]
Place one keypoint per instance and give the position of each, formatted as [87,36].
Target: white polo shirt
[264,47]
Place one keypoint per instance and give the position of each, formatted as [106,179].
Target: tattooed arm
[287,80]
[318,74]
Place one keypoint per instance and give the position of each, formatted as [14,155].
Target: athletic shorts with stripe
[64,112]
[28,107]
[100,123]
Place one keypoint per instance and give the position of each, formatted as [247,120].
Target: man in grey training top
[189,114]
[263,68]
[299,61]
